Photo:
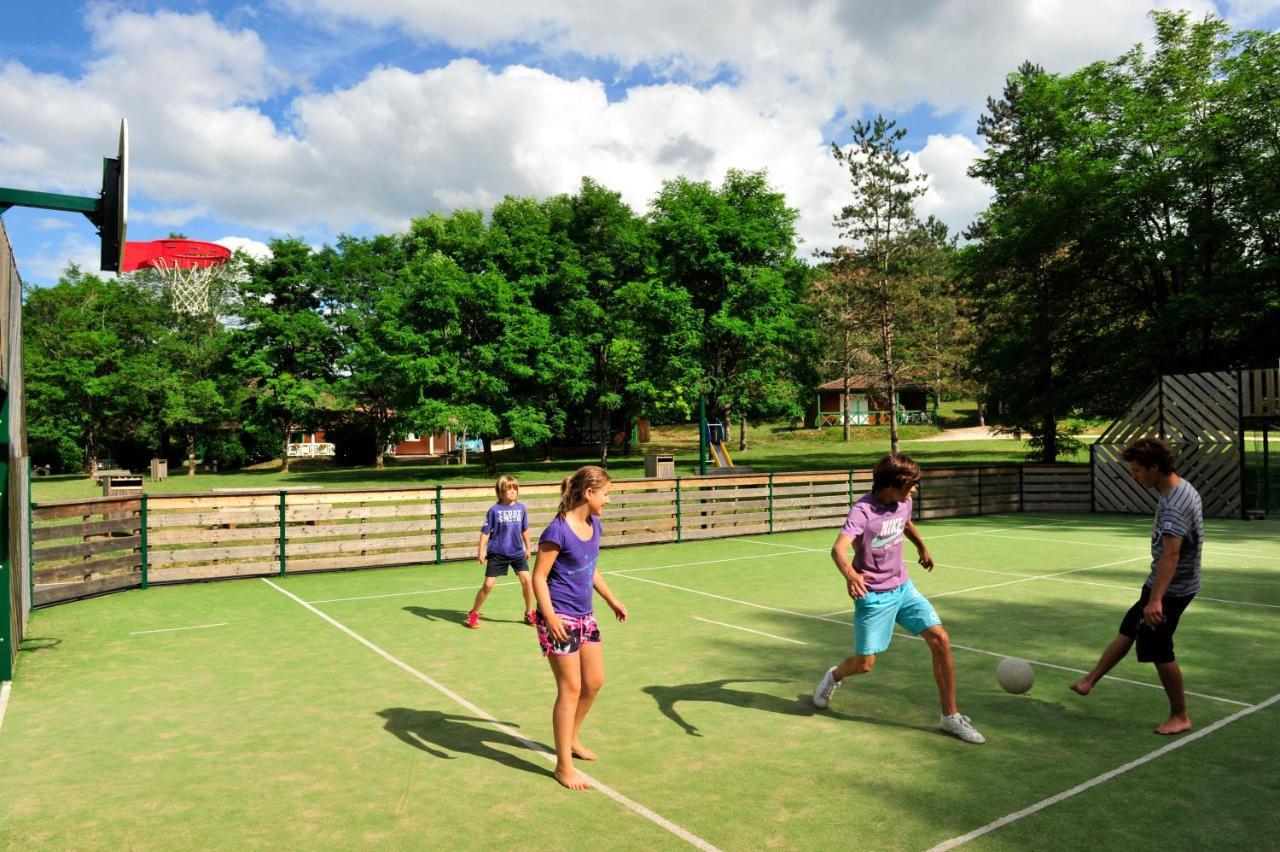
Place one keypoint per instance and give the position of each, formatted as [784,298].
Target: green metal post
[979,491]
[439,528]
[851,487]
[702,435]
[771,502]
[31,539]
[1022,488]
[142,531]
[283,532]
[679,529]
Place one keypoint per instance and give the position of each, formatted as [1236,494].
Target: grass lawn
[770,449]
[353,709]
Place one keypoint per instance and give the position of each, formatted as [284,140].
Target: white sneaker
[825,689]
[962,727]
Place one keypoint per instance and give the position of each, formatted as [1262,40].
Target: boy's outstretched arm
[840,555]
[913,535]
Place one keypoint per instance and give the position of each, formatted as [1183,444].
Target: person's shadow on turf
[452,615]
[717,691]
[448,732]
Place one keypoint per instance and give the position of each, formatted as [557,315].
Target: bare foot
[572,779]
[582,752]
[1082,687]
[1174,725]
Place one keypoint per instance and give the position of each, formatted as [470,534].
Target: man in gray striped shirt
[1177,539]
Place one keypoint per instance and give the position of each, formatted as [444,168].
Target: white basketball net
[189,288]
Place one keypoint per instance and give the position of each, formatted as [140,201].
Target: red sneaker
[529,618]
[473,619]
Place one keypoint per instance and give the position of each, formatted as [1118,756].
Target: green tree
[284,349]
[732,248]
[880,223]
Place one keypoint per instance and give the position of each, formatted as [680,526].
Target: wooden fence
[100,545]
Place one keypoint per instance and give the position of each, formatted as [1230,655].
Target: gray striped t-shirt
[1180,514]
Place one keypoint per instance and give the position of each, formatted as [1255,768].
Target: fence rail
[88,547]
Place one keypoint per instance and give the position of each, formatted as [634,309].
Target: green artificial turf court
[353,709]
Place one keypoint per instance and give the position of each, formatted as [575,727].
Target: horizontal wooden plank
[335,513]
[46,594]
[158,520]
[161,558]
[76,570]
[422,544]
[218,535]
[718,532]
[187,573]
[830,518]
[86,548]
[211,502]
[87,508]
[79,530]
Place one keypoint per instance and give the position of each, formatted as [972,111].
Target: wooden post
[283,533]
[142,531]
[679,528]
[439,542]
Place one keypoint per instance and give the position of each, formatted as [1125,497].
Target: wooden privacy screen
[93,546]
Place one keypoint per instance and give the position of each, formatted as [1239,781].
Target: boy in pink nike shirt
[884,595]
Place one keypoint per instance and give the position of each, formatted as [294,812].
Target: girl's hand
[480,558]
[555,627]
[619,610]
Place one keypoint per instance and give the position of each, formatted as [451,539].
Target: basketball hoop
[188,267]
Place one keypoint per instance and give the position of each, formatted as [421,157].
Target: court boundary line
[747,630]
[176,629]
[1103,778]
[845,623]
[1218,548]
[630,804]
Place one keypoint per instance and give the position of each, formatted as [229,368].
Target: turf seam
[630,804]
[1104,777]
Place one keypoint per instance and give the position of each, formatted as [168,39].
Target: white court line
[634,806]
[1129,589]
[779,544]
[174,629]
[1001,529]
[418,592]
[1104,777]
[1022,578]
[748,630]
[1028,579]
[1100,544]
[686,564]
[4,699]
[845,623]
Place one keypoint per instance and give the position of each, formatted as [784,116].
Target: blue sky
[319,117]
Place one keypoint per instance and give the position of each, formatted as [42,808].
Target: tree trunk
[628,424]
[886,333]
[191,454]
[982,412]
[380,437]
[742,434]
[284,452]
[462,448]
[844,396]
[604,437]
[490,465]
[546,451]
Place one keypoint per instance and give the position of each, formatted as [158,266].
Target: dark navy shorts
[496,564]
[1155,641]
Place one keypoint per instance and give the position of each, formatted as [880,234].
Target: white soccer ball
[1015,675]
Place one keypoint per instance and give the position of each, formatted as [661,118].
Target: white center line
[748,630]
[1104,777]
[173,629]
[1028,579]
[630,804]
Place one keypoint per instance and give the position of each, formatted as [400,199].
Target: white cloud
[51,258]
[1245,13]
[952,195]
[253,248]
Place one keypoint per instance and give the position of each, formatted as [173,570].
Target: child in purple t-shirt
[564,577]
[504,544]
[882,592]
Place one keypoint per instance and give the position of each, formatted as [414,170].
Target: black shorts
[496,564]
[1155,641]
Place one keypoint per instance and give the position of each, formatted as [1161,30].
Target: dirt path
[980,433]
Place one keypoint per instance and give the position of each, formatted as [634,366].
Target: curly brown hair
[895,471]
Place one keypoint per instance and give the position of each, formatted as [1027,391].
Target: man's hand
[857,586]
[1153,612]
[925,559]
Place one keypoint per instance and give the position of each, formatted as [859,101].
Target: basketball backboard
[113,213]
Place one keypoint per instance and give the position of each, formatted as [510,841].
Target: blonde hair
[573,489]
[503,481]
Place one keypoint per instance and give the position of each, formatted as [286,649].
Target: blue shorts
[875,615]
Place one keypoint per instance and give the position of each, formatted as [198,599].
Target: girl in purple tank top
[564,578]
